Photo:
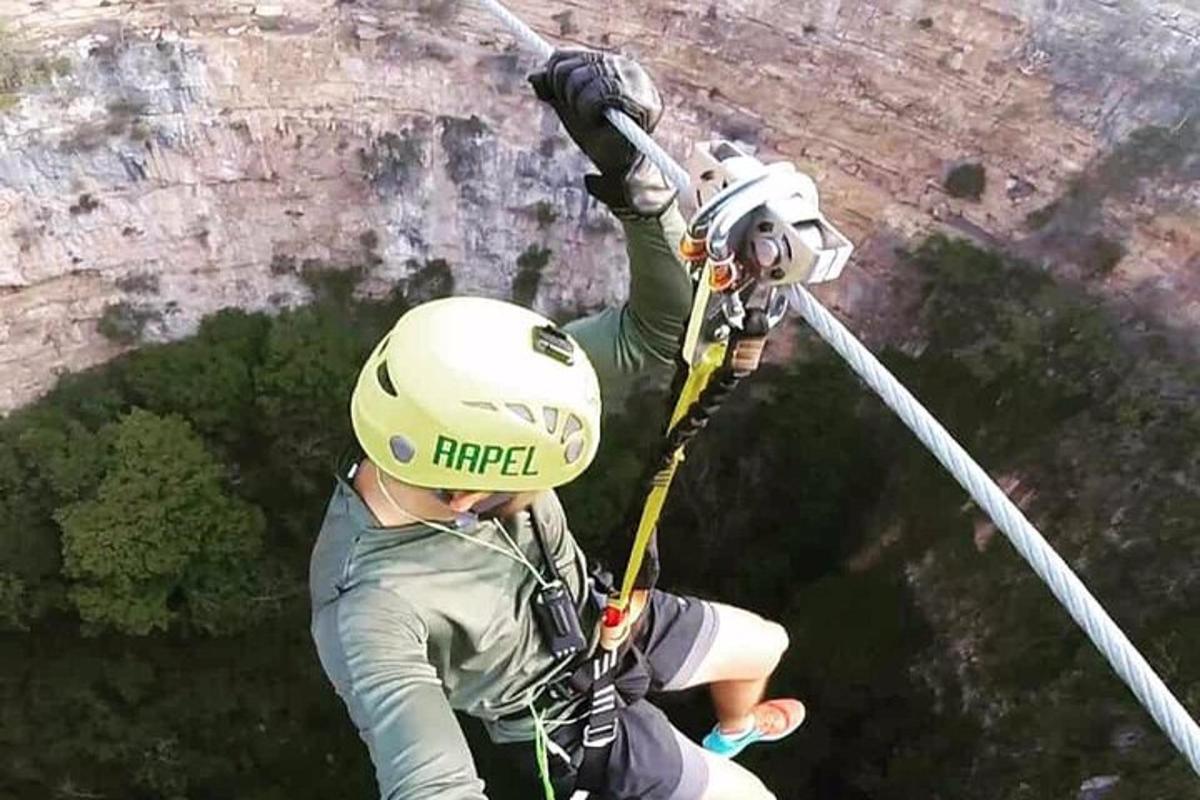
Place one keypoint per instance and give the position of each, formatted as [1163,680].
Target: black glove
[580,84]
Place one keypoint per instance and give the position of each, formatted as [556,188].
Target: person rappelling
[445,577]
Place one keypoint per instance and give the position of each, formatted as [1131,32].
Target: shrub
[428,282]
[392,161]
[331,284]
[1040,217]
[530,265]
[966,181]
[123,323]
[138,283]
[1100,255]
[86,204]
[464,142]
[440,12]
[545,213]
[566,23]
[160,540]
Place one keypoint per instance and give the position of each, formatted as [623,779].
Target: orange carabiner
[693,250]
[723,276]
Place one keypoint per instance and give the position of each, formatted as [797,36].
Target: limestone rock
[211,144]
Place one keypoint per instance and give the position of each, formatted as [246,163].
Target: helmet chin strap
[466,520]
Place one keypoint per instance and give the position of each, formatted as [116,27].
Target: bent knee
[776,638]
[728,780]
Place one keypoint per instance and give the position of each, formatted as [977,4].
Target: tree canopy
[161,541]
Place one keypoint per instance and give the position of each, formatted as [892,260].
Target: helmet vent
[385,379]
[522,411]
[573,426]
[573,451]
[482,405]
[402,448]
[551,417]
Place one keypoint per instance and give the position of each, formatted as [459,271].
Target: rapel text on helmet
[483,459]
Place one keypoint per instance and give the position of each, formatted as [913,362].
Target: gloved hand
[580,84]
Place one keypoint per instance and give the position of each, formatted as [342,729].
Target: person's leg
[652,760]
[690,642]
[729,780]
[743,654]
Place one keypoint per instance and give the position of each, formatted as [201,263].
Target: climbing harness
[721,276]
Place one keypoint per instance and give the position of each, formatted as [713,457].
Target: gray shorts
[650,759]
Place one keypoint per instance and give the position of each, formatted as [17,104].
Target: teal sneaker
[773,720]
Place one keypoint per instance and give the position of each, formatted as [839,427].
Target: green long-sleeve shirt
[412,623]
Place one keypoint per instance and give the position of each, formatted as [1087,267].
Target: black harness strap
[601,728]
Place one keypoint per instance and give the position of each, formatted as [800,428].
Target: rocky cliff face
[161,161]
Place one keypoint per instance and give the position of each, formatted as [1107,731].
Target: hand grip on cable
[585,87]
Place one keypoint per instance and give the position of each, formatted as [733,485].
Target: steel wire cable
[1066,586]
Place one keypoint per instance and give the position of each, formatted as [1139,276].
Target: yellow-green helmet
[478,394]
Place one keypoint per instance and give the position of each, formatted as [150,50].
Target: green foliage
[530,265]
[14,608]
[966,181]
[165,531]
[464,141]
[93,397]
[756,443]
[441,12]
[1015,353]
[333,285]
[545,213]
[161,540]
[209,385]
[600,501]
[1150,152]
[64,452]
[1035,377]
[1101,254]
[1147,152]
[248,716]
[86,204]
[123,323]
[772,498]
[138,283]
[22,71]
[932,668]
[393,161]
[208,379]
[428,282]
[46,459]
[303,385]
[1041,217]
